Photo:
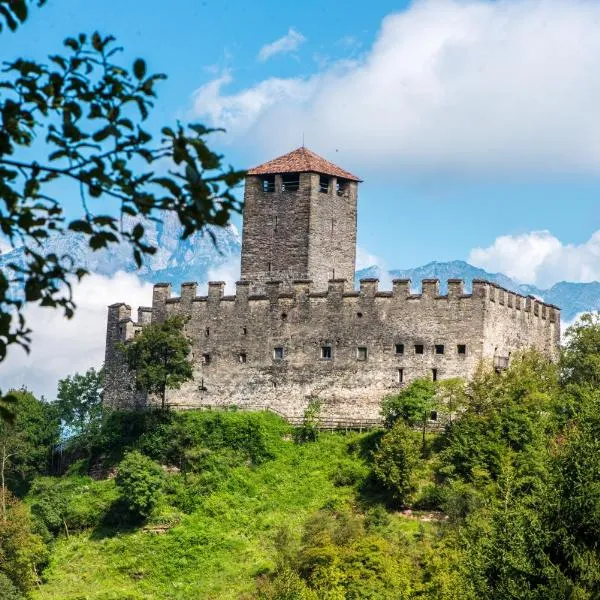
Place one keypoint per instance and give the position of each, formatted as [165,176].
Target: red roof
[301,160]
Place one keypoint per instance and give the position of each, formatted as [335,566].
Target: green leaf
[139,68]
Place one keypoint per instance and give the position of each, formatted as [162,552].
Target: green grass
[215,552]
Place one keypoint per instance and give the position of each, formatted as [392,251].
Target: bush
[7,589]
[73,502]
[395,460]
[139,480]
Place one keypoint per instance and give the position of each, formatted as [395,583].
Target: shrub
[395,461]
[7,589]
[139,480]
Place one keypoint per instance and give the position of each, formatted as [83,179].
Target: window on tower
[342,187]
[268,183]
[290,182]
[324,181]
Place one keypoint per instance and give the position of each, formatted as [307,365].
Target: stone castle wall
[236,341]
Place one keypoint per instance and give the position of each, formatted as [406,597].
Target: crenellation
[296,328]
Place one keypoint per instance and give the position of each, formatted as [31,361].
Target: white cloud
[4,245]
[288,43]
[461,85]
[229,272]
[541,258]
[62,347]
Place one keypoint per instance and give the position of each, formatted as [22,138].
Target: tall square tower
[299,221]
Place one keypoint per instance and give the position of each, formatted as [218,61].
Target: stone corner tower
[299,221]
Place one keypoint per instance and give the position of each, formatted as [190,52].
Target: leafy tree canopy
[79,401]
[412,405]
[78,119]
[160,357]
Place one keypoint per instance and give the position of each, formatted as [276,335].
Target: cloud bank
[448,85]
[540,258]
[288,43]
[62,347]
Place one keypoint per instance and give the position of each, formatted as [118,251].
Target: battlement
[339,290]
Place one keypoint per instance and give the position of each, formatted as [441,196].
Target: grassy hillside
[227,539]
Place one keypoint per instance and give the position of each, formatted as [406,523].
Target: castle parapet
[188,291]
[369,287]
[144,315]
[160,294]
[430,288]
[216,289]
[456,288]
[401,288]
[335,287]
[242,291]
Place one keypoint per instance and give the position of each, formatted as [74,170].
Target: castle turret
[299,221]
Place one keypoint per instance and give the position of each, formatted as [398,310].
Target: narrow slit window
[326,352]
[276,222]
[400,375]
[244,331]
[290,182]
[439,348]
[268,183]
[324,182]
[361,353]
[399,348]
[278,353]
[461,349]
[419,349]
[207,332]
[434,374]
[332,225]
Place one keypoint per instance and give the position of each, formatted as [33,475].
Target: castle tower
[299,221]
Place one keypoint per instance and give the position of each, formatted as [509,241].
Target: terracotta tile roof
[301,160]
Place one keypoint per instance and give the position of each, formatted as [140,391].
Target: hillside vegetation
[503,503]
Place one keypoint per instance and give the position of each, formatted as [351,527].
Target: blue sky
[434,188]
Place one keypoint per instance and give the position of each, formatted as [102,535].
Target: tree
[22,551]
[26,445]
[412,405]
[81,115]
[395,460]
[580,359]
[79,401]
[139,480]
[160,357]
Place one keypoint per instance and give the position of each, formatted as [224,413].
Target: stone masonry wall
[235,339]
[303,234]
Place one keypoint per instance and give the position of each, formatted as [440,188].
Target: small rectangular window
[419,348]
[278,353]
[244,330]
[400,375]
[268,183]
[342,187]
[361,353]
[326,352]
[461,349]
[433,415]
[434,374]
[324,181]
[206,359]
[207,332]
[439,349]
[399,348]
[290,182]
[242,358]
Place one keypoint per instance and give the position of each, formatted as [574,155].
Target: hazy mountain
[178,260]
[572,298]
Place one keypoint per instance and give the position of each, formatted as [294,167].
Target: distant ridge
[572,298]
[193,260]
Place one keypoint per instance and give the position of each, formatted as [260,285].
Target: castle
[297,328]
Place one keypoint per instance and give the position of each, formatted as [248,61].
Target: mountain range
[199,259]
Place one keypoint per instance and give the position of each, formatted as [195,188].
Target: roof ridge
[300,160]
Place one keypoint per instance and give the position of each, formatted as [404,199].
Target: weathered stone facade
[280,342]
